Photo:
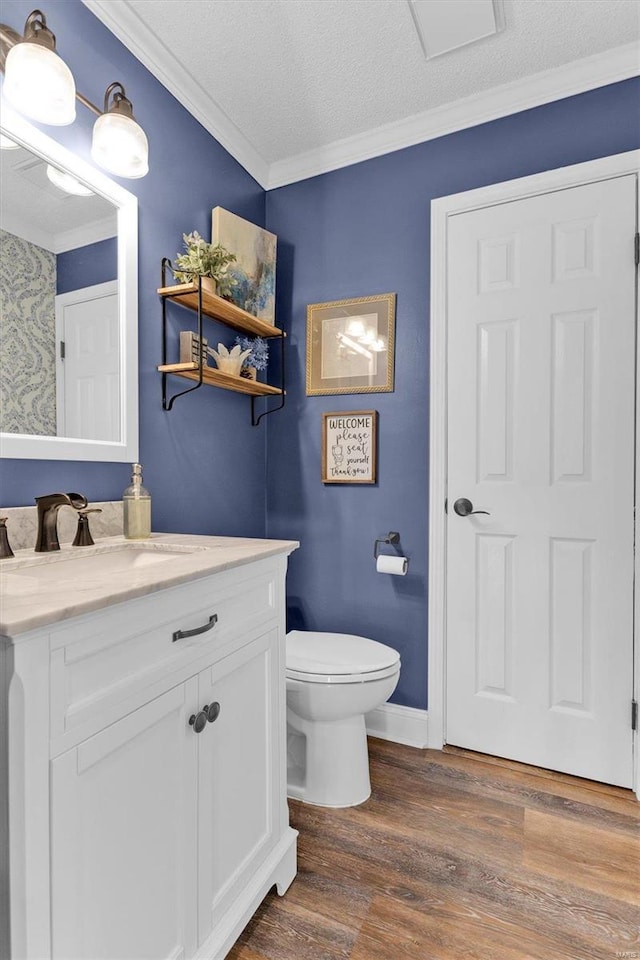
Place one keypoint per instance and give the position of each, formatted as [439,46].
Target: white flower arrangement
[229,361]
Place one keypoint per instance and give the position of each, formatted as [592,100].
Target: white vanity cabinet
[146,775]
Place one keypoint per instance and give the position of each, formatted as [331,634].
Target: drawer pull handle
[183,634]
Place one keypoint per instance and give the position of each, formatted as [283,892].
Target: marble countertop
[30,598]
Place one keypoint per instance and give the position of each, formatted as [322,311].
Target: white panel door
[123,885]
[88,394]
[541,306]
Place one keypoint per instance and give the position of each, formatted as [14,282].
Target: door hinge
[62,350]
[634,714]
[637,248]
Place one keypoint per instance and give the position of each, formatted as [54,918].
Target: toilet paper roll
[394,565]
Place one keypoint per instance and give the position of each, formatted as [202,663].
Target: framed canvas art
[255,267]
[350,345]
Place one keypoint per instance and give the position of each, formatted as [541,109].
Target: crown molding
[619,63]
[610,66]
[85,235]
[127,26]
[29,232]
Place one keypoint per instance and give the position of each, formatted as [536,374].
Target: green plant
[204,259]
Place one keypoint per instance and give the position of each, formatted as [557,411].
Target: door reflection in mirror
[58,298]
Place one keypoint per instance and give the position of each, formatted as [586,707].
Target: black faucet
[48,507]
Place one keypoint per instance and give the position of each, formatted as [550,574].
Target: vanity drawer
[103,665]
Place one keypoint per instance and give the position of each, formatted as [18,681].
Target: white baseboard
[400,724]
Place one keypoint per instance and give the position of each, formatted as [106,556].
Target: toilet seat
[315,657]
[342,677]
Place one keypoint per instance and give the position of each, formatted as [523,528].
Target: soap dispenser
[137,507]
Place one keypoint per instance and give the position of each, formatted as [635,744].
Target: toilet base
[327,761]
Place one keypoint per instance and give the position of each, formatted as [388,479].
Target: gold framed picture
[349,447]
[350,345]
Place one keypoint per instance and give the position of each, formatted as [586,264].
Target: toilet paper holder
[392,537]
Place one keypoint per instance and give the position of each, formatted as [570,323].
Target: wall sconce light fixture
[38,82]
[39,85]
[119,143]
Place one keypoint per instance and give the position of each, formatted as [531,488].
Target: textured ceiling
[296,75]
[34,209]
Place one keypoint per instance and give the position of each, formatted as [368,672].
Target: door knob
[464,508]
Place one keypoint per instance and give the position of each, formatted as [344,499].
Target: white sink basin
[91,563]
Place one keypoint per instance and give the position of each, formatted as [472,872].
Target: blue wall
[86,266]
[353,232]
[365,230]
[204,463]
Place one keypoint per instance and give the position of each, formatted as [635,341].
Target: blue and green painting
[255,267]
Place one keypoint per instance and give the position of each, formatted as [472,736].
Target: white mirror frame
[24,446]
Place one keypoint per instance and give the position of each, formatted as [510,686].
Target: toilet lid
[309,652]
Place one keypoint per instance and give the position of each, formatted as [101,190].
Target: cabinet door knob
[198,721]
[212,712]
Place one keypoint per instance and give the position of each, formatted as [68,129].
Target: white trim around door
[441,210]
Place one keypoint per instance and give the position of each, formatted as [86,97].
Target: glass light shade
[6,143]
[39,84]
[64,181]
[120,146]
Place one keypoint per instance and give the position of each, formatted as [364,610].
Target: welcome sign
[349,447]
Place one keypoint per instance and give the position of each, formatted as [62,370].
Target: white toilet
[333,679]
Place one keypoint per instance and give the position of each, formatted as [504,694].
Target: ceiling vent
[444,26]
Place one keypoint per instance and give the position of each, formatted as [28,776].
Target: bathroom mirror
[68,304]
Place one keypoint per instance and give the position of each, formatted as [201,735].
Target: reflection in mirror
[59,307]
[66,223]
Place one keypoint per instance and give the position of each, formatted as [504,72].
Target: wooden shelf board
[215,378]
[216,308]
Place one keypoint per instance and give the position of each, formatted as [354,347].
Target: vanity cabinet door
[238,766]
[124,835]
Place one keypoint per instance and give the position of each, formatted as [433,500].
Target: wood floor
[456,856]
